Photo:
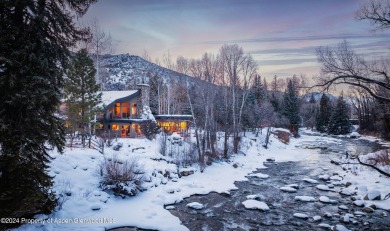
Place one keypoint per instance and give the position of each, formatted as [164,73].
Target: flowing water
[226,212]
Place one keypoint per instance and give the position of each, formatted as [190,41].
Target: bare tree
[341,65]
[146,56]
[167,61]
[182,65]
[238,70]
[377,12]
[100,43]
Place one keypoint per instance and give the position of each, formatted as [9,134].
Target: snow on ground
[87,207]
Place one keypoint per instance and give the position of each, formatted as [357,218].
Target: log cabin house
[125,111]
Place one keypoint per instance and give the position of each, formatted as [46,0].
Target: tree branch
[372,166]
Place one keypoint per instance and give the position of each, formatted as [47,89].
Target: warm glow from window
[115,127]
[134,109]
[169,126]
[125,130]
[118,110]
[137,128]
[125,110]
[183,125]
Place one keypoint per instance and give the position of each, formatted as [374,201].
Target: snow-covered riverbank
[87,207]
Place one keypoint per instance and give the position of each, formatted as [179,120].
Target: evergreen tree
[34,41]
[81,92]
[312,99]
[291,108]
[339,123]
[274,102]
[257,90]
[324,114]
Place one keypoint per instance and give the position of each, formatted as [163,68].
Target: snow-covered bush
[124,178]
[163,143]
[183,151]
[63,192]
[150,129]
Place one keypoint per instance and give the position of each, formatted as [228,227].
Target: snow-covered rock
[324,177]
[343,207]
[296,186]
[339,228]
[309,180]
[347,191]
[260,175]
[359,203]
[301,215]
[354,135]
[195,205]
[325,199]
[254,204]
[317,218]
[330,185]
[373,195]
[305,198]
[336,177]
[322,187]
[368,210]
[345,219]
[288,189]
[328,215]
[324,225]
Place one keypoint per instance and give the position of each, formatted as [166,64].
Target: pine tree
[291,108]
[339,123]
[312,99]
[324,114]
[34,41]
[81,92]
[257,90]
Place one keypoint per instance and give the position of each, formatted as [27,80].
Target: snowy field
[87,207]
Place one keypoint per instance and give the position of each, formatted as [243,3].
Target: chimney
[145,92]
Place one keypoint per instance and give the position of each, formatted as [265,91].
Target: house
[125,111]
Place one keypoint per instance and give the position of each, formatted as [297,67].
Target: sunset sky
[282,35]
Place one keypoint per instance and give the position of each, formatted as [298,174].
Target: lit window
[134,109]
[118,110]
[125,110]
[115,127]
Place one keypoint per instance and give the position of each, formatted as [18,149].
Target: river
[226,212]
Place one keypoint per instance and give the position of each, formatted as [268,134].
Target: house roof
[110,96]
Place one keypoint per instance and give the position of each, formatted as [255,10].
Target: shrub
[283,136]
[124,178]
[150,129]
[163,143]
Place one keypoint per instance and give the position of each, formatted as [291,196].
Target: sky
[281,35]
